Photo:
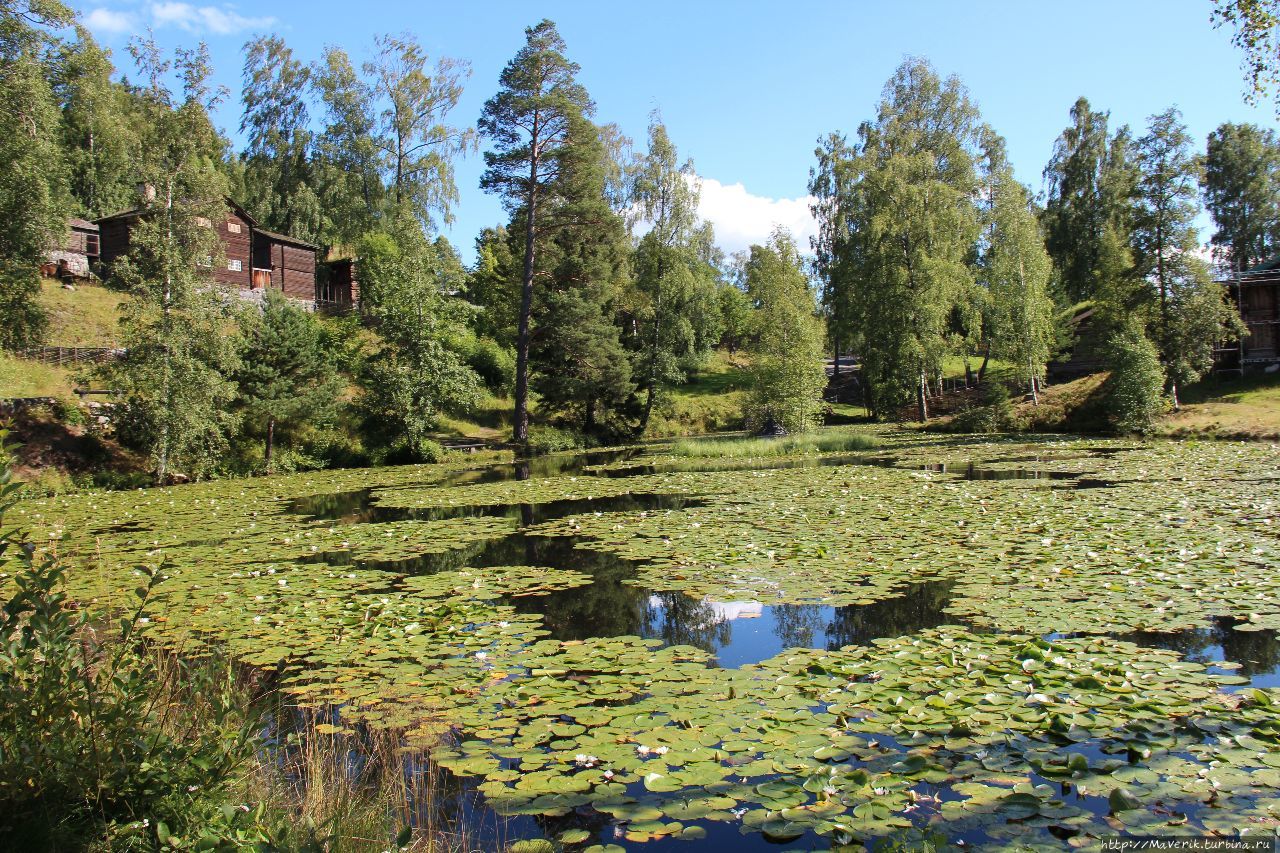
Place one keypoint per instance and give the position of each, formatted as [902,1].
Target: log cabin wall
[236,268]
[298,272]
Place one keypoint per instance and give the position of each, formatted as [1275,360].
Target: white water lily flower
[642,750]
[481,655]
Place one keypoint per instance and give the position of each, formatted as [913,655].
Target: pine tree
[578,365]
[529,122]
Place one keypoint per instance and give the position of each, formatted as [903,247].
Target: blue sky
[746,88]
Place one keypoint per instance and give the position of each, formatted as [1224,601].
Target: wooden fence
[72,355]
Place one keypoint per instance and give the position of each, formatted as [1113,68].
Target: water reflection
[735,632]
[1257,652]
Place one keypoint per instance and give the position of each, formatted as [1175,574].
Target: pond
[992,640]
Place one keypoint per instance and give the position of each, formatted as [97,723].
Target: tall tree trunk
[1173,393]
[986,358]
[1031,377]
[835,359]
[271,440]
[521,425]
[968,372]
[922,403]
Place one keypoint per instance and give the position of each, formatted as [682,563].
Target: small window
[203,222]
[233,227]
[91,244]
[235,266]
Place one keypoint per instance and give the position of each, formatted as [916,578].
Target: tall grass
[791,445]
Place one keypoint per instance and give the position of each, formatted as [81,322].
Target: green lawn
[1247,407]
[20,377]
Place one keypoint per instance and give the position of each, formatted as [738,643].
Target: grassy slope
[710,402]
[84,317]
[1247,408]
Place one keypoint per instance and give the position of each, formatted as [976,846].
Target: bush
[494,364]
[1133,389]
[549,439]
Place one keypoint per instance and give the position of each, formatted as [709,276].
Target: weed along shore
[894,635]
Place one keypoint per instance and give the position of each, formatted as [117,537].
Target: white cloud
[109,21]
[741,219]
[219,20]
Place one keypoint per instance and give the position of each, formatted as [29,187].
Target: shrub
[996,413]
[1133,389]
[493,363]
[549,439]
[85,739]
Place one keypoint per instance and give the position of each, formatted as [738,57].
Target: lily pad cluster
[999,730]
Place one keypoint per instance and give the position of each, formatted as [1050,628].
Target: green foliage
[172,379]
[1017,268]
[996,413]
[1256,23]
[1133,388]
[414,375]
[493,363]
[87,736]
[100,131]
[33,203]
[903,228]
[1189,315]
[792,445]
[787,377]
[548,439]
[580,368]
[676,316]
[1241,186]
[280,178]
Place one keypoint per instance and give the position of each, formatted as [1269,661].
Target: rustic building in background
[77,254]
[255,259]
[1256,293]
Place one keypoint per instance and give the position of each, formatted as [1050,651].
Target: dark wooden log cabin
[254,259]
[1256,294]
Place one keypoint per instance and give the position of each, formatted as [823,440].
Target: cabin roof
[285,238]
[82,224]
[134,212]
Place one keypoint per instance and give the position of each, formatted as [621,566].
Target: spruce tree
[287,375]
